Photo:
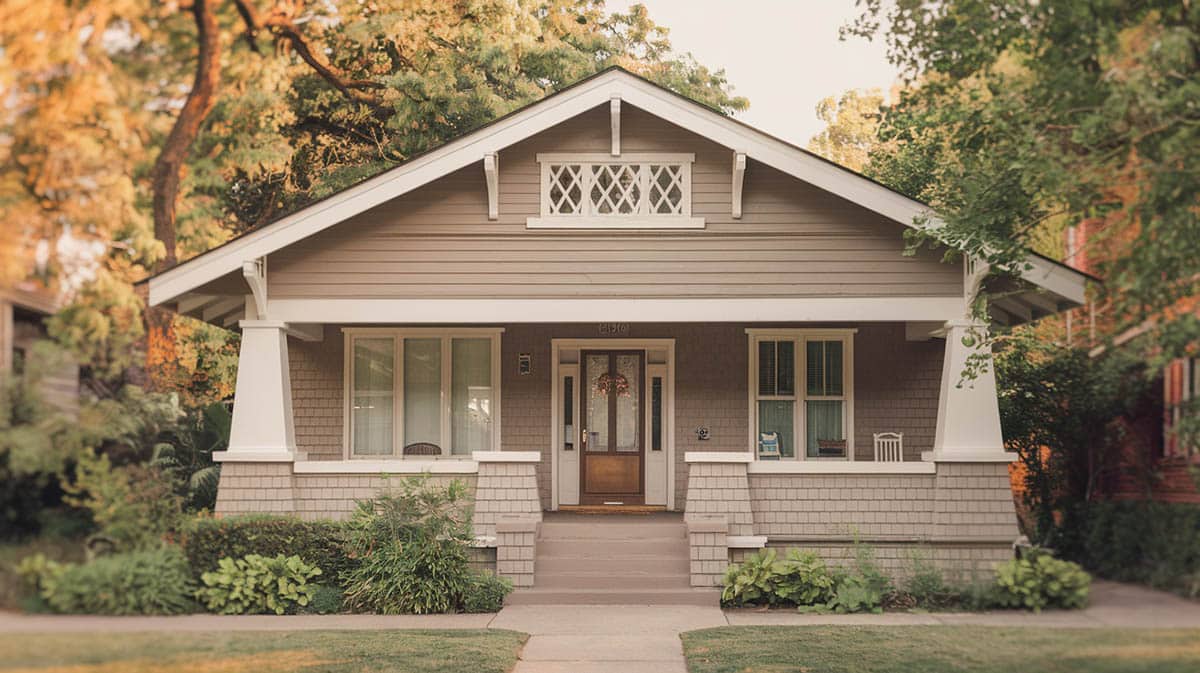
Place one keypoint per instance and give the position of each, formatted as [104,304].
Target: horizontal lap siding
[895,389]
[793,240]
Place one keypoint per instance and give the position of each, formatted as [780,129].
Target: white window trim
[398,335]
[547,220]
[799,417]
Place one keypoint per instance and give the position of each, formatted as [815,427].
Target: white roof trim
[537,117]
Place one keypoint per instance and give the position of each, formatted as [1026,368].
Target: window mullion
[643,204]
[397,396]
[800,411]
[445,396]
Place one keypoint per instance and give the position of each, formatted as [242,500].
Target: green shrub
[258,584]
[1148,542]
[411,547]
[485,593]
[926,588]
[134,506]
[1041,582]
[326,600]
[864,587]
[764,578]
[207,540]
[154,582]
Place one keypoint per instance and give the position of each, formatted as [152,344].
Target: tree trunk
[168,168]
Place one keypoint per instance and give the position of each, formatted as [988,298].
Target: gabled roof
[1061,280]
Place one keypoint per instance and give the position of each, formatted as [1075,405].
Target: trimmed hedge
[206,541]
[1152,543]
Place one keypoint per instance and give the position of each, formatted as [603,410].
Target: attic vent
[582,191]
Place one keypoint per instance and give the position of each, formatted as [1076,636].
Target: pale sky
[784,55]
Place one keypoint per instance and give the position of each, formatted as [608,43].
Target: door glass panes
[470,395]
[627,389]
[373,396]
[568,427]
[777,416]
[423,391]
[656,413]
[596,399]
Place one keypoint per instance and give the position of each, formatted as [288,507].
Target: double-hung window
[801,397]
[630,191]
[422,393]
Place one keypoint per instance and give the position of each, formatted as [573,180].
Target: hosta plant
[1042,581]
[258,584]
[800,578]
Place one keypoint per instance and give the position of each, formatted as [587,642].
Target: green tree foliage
[1025,116]
[311,97]
[1061,411]
[851,127]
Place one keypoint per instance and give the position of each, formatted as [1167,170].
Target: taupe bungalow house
[616,297]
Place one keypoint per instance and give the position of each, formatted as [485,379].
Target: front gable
[460,223]
[791,240]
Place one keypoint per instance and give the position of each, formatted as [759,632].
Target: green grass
[477,651]
[939,649]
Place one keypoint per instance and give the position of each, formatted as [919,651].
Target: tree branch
[168,167]
[280,23]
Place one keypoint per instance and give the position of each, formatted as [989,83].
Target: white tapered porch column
[968,420]
[263,428]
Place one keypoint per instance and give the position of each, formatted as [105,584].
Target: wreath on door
[608,382]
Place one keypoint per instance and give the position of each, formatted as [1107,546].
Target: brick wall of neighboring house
[1155,464]
[896,384]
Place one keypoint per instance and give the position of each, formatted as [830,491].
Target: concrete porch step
[625,549]
[615,563]
[623,528]
[543,596]
[628,580]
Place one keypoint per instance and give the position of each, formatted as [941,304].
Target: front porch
[537,417]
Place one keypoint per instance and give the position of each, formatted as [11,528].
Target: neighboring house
[24,308]
[619,298]
[1156,462]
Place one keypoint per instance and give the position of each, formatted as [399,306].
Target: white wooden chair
[889,447]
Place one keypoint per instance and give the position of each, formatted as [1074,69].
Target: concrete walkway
[632,638]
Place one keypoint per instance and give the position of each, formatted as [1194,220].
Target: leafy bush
[1040,582]
[258,584]
[411,547]
[135,506]
[864,587]
[326,600]
[764,578]
[207,540]
[154,582]
[486,593]
[1153,543]
[926,588]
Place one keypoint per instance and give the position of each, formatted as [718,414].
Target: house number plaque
[614,329]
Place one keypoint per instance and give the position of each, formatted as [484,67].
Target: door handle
[583,438]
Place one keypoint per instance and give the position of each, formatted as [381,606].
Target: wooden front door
[612,413]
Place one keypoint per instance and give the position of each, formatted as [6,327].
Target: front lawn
[477,651]
[939,649]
